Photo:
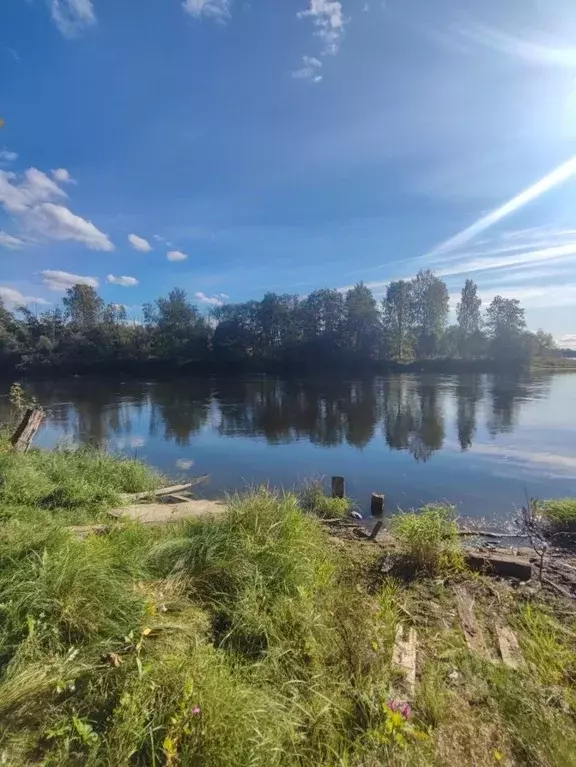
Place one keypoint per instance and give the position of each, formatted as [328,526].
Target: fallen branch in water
[485,534]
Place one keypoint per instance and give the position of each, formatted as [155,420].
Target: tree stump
[26,429]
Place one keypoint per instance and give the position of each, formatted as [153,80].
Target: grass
[255,639]
[429,538]
[560,513]
[72,484]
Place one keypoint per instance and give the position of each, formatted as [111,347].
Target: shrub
[314,500]
[429,538]
[560,512]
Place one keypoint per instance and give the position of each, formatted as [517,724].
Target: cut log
[472,631]
[404,657]
[500,564]
[337,487]
[377,505]
[509,647]
[161,491]
[26,429]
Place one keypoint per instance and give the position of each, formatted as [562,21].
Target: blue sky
[232,147]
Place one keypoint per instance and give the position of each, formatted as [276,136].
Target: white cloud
[310,70]
[61,281]
[62,176]
[215,9]
[7,156]
[176,255]
[126,282]
[329,22]
[210,300]
[222,295]
[7,241]
[139,243]
[31,200]
[72,17]
[568,341]
[11,298]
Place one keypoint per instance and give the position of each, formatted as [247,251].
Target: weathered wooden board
[404,656]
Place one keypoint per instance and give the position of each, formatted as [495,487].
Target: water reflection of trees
[409,410]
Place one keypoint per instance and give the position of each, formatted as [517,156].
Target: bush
[560,513]
[429,538]
[314,500]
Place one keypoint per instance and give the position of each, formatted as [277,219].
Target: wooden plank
[472,630]
[159,513]
[509,647]
[404,657]
[161,491]
[500,564]
[26,429]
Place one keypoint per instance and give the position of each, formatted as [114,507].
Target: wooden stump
[377,505]
[337,487]
[26,429]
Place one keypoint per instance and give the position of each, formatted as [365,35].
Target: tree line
[327,327]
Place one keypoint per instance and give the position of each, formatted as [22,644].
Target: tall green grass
[429,538]
[78,485]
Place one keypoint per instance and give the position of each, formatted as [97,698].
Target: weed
[429,538]
[314,500]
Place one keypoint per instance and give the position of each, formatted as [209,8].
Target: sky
[235,147]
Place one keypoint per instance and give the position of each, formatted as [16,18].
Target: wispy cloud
[139,243]
[61,281]
[176,255]
[12,243]
[31,200]
[214,9]
[62,176]
[554,178]
[310,70]
[125,282]
[72,17]
[329,21]
[216,300]
[527,48]
[6,156]
[12,298]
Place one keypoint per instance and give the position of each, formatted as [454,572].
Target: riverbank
[263,636]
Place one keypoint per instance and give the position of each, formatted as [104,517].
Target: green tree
[430,312]
[471,341]
[363,322]
[505,324]
[179,331]
[397,309]
[83,307]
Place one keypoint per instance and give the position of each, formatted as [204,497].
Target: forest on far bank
[325,328]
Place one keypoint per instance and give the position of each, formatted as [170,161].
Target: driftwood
[26,429]
[499,564]
[485,534]
[161,491]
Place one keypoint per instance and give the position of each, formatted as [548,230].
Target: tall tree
[363,325]
[83,307]
[505,324]
[470,341]
[397,318]
[179,331]
[430,311]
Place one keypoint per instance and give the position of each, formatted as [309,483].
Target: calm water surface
[482,442]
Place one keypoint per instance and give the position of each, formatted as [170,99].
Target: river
[483,442]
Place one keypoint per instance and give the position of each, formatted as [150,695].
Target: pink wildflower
[196,710]
[401,707]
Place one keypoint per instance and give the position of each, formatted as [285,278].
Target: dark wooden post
[377,504]
[337,487]
[26,429]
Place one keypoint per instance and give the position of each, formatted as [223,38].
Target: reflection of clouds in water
[132,442]
[184,463]
[549,464]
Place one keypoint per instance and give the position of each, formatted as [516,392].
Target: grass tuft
[429,538]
